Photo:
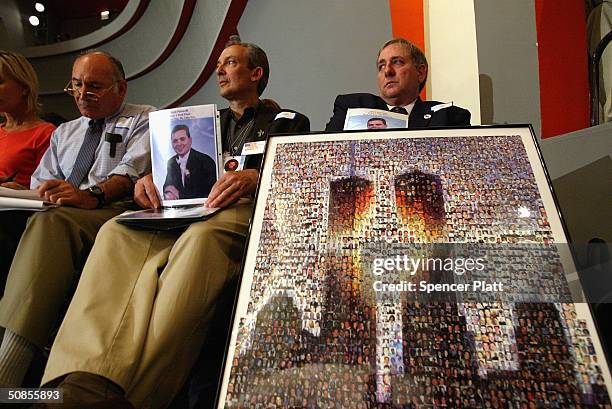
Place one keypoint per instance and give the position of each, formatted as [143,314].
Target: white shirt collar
[183,161]
[408,107]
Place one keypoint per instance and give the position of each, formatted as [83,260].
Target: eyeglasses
[77,89]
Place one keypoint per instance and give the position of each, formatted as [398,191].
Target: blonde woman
[24,137]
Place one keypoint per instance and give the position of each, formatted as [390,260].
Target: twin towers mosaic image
[321,330]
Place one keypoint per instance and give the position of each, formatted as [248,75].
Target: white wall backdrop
[508,62]
[317,50]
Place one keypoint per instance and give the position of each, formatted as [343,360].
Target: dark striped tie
[399,110]
[87,153]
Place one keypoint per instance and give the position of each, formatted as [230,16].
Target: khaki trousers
[144,303]
[46,268]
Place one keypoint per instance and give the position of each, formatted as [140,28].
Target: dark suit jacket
[265,124]
[202,175]
[421,116]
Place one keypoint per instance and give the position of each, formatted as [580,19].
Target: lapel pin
[260,133]
[427,116]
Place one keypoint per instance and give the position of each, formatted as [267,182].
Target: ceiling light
[39,7]
[34,20]
[104,15]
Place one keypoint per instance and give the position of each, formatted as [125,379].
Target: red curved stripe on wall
[142,6]
[229,27]
[178,34]
[186,13]
[137,15]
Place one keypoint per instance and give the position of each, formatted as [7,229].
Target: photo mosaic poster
[410,269]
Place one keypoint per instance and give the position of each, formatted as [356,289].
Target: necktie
[399,110]
[87,153]
[182,162]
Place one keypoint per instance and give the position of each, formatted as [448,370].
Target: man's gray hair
[256,57]
[416,55]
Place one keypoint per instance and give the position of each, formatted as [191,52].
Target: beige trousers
[144,302]
[46,268]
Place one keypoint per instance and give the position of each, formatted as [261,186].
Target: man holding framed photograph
[140,315]
[402,73]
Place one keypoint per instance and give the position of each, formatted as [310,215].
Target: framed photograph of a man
[412,268]
[185,153]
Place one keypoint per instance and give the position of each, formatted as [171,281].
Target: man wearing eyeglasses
[159,298]
[92,162]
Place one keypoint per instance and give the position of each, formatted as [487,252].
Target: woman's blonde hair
[16,66]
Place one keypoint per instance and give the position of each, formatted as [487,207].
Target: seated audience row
[144,300]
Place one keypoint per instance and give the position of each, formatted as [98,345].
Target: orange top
[21,151]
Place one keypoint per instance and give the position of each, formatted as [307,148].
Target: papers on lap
[11,199]
[166,218]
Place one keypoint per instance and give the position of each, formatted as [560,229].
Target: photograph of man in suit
[191,174]
[377,123]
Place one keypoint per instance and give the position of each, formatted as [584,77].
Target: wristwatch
[97,192]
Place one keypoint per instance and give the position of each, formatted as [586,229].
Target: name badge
[232,163]
[438,107]
[254,148]
[123,122]
[285,114]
